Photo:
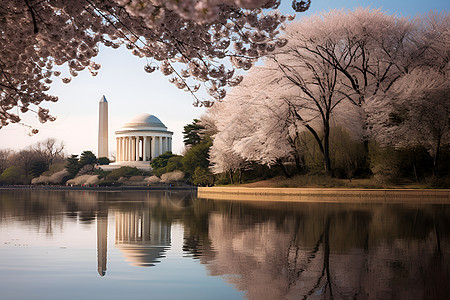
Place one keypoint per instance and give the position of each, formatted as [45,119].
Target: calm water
[171,245]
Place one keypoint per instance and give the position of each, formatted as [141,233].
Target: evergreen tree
[162,160]
[72,165]
[87,158]
[103,161]
[192,133]
[38,167]
[197,156]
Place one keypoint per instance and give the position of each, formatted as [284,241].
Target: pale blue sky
[129,91]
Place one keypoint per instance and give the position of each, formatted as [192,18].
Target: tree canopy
[197,156]
[12,175]
[162,160]
[87,158]
[415,113]
[335,66]
[192,133]
[189,41]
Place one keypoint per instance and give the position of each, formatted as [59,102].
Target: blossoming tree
[222,157]
[332,67]
[415,113]
[253,124]
[189,41]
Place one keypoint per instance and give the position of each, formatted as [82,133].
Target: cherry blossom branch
[31,10]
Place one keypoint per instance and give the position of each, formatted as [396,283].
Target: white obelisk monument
[103,128]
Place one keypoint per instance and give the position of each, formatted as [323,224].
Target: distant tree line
[19,167]
[45,163]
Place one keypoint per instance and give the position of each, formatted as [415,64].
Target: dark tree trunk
[414,166]
[283,169]
[326,254]
[298,163]
[326,148]
[436,157]
[230,172]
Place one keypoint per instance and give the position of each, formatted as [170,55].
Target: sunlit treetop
[191,41]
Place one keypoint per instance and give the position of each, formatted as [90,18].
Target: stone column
[130,148]
[117,148]
[160,145]
[136,142]
[125,148]
[136,148]
[164,143]
[152,147]
[144,156]
[127,145]
[124,145]
[119,139]
[141,148]
[133,148]
[121,149]
[168,143]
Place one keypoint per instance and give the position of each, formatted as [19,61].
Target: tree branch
[30,8]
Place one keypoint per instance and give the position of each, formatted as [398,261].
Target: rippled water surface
[171,245]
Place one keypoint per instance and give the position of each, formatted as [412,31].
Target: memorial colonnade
[141,146]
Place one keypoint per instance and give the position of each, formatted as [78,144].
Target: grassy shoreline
[334,183]
[322,189]
[266,194]
[98,188]
[340,195]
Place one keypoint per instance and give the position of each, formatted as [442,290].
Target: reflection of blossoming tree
[324,251]
[184,39]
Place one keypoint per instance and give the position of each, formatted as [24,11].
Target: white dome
[144,121]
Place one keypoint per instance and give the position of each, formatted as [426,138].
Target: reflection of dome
[141,238]
[143,255]
[144,121]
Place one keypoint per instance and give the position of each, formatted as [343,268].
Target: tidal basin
[174,245]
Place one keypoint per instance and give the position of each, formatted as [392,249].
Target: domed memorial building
[141,139]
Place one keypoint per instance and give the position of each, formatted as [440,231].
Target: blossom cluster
[189,41]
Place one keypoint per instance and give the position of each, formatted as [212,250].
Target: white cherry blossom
[188,40]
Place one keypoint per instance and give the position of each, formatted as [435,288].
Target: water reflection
[102,239]
[267,250]
[331,251]
[142,238]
